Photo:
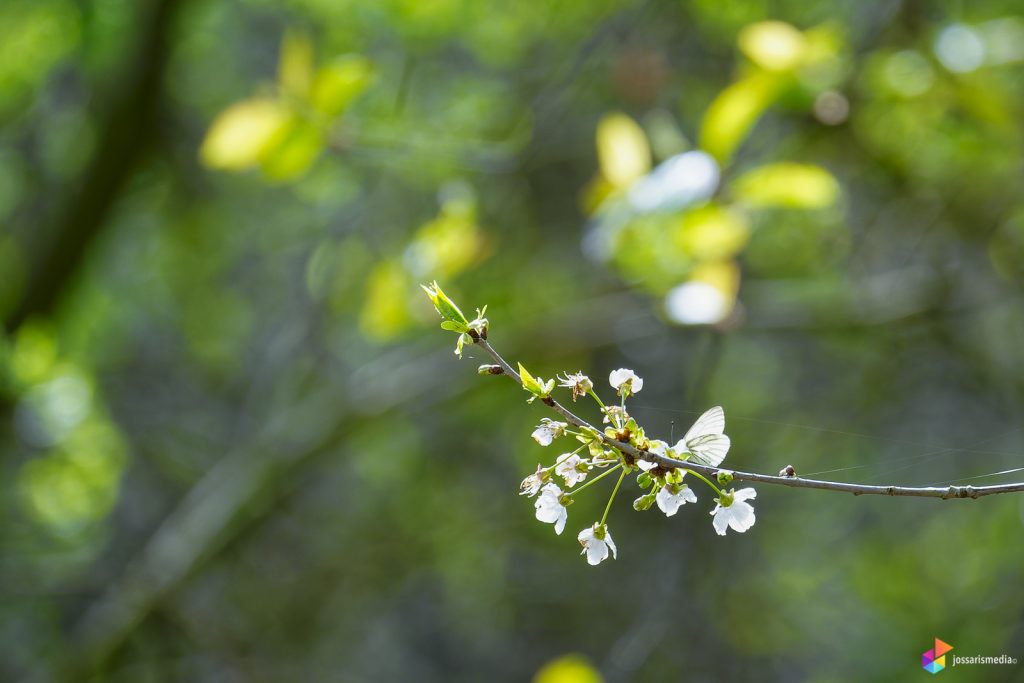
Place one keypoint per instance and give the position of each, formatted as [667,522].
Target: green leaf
[246,133]
[295,65]
[773,45]
[797,186]
[295,154]
[570,668]
[530,383]
[446,307]
[340,82]
[462,341]
[712,233]
[385,311]
[734,112]
[622,150]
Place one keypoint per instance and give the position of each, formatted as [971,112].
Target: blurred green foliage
[234,446]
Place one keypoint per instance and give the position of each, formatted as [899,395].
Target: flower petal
[721,520]
[560,522]
[742,517]
[667,502]
[745,494]
[597,551]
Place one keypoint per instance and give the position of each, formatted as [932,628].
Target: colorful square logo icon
[934,661]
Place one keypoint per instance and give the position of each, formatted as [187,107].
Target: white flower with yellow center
[572,468]
[625,382]
[547,431]
[734,511]
[671,496]
[531,485]
[596,542]
[549,507]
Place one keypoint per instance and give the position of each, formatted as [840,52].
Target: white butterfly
[705,441]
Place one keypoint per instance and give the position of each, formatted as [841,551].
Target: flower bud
[644,480]
[724,477]
[644,502]
[787,471]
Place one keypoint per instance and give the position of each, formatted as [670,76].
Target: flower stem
[604,408]
[594,480]
[614,491]
[552,467]
[706,481]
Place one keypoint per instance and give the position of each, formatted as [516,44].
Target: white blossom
[625,382]
[531,485]
[671,496]
[549,507]
[547,431]
[596,541]
[578,382]
[615,414]
[733,511]
[572,468]
[656,446]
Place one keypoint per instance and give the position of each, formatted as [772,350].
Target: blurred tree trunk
[127,123]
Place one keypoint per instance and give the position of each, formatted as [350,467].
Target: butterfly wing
[705,440]
[711,422]
[709,449]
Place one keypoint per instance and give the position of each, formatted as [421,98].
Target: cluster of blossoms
[661,474]
[704,443]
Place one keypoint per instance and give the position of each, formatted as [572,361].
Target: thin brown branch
[943,492]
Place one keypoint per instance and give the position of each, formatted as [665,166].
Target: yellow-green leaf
[622,150]
[568,669]
[529,382]
[800,186]
[385,312]
[533,384]
[447,245]
[340,82]
[244,133]
[295,154]
[295,66]
[773,45]
[712,233]
[734,112]
[445,306]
